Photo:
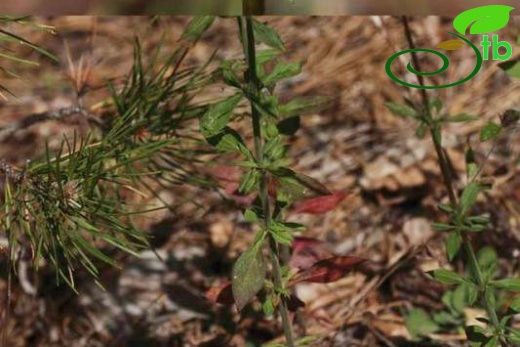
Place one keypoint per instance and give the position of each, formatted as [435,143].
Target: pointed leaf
[218,115]
[447,277]
[401,110]
[267,35]
[420,324]
[321,204]
[453,245]
[249,274]
[483,19]
[512,284]
[329,270]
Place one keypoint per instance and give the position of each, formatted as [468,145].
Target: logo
[480,21]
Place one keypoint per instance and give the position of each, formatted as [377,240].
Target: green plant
[478,285]
[66,206]
[267,174]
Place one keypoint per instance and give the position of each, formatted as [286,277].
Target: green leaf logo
[482,19]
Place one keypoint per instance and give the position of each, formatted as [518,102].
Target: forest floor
[355,144]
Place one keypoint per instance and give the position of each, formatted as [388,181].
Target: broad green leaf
[401,110]
[229,140]
[249,274]
[469,196]
[490,131]
[453,244]
[512,284]
[250,216]
[486,257]
[267,35]
[218,115]
[419,324]
[281,71]
[483,19]
[447,276]
[197,27]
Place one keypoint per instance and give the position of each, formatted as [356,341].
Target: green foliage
[8,37]
[478,286]
[69,205]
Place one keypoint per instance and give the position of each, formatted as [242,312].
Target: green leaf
[492,342]
[401,110]
[420,324]
[447,277]
[197,27]
[490,298]
[483,19]
[442,227]
[487,257]
[453,244]
[267,35]
[281,71]
[460,118]
[469,197]
[512,284]
[229,140]
[218,115]
[250,181]
[490,131]
[268,306]
[250,216]
[249,274]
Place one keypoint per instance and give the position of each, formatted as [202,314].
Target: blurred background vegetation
[234,7]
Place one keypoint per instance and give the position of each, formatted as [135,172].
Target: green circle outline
[445,65]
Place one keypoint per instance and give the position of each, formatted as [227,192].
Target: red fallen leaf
[321,204]
[328,270]
[307,251]
[221,294]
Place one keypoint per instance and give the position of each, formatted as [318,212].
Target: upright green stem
[253,89]
[447,178]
